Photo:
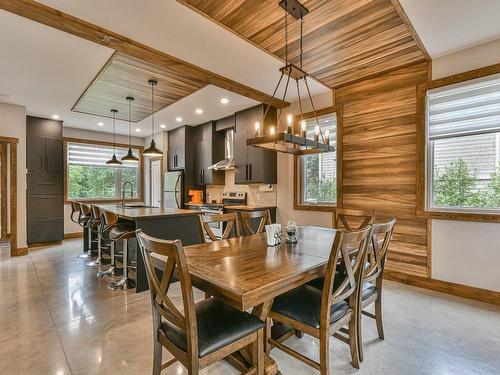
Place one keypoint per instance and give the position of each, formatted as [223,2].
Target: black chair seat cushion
[121,230]
[304,305]
[367,291]
[218,326]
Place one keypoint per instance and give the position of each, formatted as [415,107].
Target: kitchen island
[160,222]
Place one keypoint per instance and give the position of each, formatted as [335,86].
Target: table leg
[242,359]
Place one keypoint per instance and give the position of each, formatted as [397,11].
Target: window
[318,172]
[463,145]
[88,176]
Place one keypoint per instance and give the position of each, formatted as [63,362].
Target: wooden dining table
[248,274]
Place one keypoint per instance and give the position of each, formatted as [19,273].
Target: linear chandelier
[290,141]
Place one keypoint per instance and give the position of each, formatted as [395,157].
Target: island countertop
[143,212]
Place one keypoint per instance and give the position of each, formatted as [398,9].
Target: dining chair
[349,219]
[372,280]
[248,218]
[208,331]
[324,313]
[228,221]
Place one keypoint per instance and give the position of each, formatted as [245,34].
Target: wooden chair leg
[207,295]
[299,334]
[258,353]
[378,316]
[359,333]
[267,335]
[324,353]
[353,341]
[157,357]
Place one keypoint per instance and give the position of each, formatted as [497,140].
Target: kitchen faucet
[123,192]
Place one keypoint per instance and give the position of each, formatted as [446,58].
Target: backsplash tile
[255,197]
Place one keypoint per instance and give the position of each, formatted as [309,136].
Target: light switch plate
[266,187]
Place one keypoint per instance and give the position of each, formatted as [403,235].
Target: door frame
[150,162]
[11,154]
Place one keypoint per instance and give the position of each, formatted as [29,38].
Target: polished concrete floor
[57,318]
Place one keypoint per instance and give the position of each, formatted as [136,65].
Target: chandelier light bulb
[272,130]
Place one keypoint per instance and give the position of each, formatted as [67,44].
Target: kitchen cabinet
[208,149]
[44,194]
[253,165]
[177,148]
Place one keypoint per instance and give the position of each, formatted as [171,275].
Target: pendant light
[114,160]
[130,157]
[152,150]
[287,141]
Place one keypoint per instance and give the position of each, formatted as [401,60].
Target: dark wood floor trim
[19,252]
[68,236]
[34,245]
[477,294]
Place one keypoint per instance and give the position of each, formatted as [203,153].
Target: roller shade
[96,155]
[466,108]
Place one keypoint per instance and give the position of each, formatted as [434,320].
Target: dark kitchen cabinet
[208,149]
[44,194]
[177,148]
[253,165]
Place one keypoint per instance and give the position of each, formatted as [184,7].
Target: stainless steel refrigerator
[173,194]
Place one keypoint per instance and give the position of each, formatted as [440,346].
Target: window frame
[298,204]
[140,197]
[424,155]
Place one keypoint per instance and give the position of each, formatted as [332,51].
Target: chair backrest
[377,252]
[162,304]
[230,220]
[247,218]
[75,211]
[352,219]
[348,254]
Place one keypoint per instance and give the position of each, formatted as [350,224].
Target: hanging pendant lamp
[114,160]
[152,150]
[286,141]
[130,157]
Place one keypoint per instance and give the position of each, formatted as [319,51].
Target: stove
[229,198]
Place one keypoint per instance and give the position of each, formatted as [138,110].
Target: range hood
[228,163]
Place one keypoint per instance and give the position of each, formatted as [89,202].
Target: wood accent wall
[380,160]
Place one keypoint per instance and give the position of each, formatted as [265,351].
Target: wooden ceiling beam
[65,22]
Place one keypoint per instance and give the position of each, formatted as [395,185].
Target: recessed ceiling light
[100,123]
[199,111]
[178,119]
[163,126]
[138,130]
[224,100]
[55,117]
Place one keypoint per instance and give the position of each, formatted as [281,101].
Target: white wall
[466,253]
[285,176]
[13,124]
[69,226]
[161,140]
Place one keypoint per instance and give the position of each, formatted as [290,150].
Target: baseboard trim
[465,291]
[19,252]
[68,236]
[34,245]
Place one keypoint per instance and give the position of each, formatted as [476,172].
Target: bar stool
[83,220]
[121,231]
[96,227]
[107,222]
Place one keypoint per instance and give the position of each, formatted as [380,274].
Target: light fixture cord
[301,40]
[314,110]
[114,139]
[286,33]
[129,131]
[271,100]
[152,111]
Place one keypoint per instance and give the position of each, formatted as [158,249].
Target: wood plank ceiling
[123,76]
[344,40]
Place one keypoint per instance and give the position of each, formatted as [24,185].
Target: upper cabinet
[253,165]
[177,141]
[44,145]
[208,149]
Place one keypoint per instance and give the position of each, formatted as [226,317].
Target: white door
[155,183]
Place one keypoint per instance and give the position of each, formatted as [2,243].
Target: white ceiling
[47,70]
[446,26]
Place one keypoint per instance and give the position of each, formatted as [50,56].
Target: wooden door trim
[3,183]
[151,160]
